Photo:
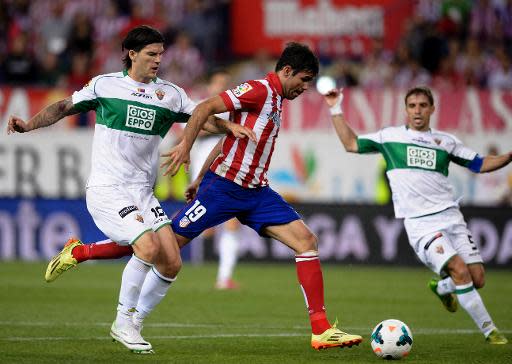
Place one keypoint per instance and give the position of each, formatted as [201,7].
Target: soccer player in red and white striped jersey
[236,184]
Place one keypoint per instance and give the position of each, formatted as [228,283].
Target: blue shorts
[220,199]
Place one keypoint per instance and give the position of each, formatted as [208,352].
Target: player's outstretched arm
[46,117]
[191,191]
[217,125]
[345,133]
[180,154]
[494,162]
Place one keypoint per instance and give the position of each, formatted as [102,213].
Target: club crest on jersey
[439,249]
[160,94]
[184,222]
[241,89]
[139,218]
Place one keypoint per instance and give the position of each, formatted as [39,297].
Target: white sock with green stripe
[134,275]
[154,289]
[445,286]
[470,300]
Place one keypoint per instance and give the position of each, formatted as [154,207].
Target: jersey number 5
[195,212]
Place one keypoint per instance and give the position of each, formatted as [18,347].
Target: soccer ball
[391,339]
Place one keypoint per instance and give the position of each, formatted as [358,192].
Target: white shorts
[125,213]
[438,237]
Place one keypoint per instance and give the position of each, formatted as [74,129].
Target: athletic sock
[105,249]
[154,289]
[132,280]
[470,300]
[445,286]
[228,245]
[309,273]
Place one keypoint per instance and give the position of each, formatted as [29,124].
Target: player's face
[146,62]
[419,110]
[294,85]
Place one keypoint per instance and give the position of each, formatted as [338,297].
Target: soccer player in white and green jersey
[417,159]
[134,111]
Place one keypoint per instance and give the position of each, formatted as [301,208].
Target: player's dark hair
[420,90]
[138,38]
[299,57]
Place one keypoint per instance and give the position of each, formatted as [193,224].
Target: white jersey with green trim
[131,120]
[417,167]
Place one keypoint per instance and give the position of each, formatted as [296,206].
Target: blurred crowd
[445,44]
[65,42]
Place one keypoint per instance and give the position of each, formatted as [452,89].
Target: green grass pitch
[265,321]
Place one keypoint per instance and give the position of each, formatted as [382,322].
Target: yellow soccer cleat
[496,338]
[449,300]
[334,337]
[62,261]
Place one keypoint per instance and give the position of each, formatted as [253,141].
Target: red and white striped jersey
[256,105]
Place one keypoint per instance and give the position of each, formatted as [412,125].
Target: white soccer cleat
[129,336]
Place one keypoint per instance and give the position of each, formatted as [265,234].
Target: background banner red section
[464,111]
[332,27]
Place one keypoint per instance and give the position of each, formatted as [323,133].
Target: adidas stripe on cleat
[496,338]
[62,261]
[334,337]
[449,300]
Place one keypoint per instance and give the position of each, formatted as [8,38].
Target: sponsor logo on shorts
[241,89]
[439,249]
[140,117]
[421,157]
[159,220]
[184,222]
[139,218]
[126,210]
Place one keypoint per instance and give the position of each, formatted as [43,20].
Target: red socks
[101,250]
[311,280]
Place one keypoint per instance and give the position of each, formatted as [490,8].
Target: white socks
[133,277]
[471,301]
[445,286]
[154,289]
[228,254]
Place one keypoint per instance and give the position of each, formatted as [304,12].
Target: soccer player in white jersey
[236,184]
[134,111]
[417,159]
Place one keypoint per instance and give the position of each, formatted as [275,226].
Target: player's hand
[174,158]
[16,125]
[191,191]
[242,132]
[333,97]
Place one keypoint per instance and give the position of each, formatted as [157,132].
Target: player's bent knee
[479,282]
[309,242]
[147,247]
[170,265]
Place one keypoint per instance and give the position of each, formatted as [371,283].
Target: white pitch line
[164,337]
[417,331]
[421,331]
